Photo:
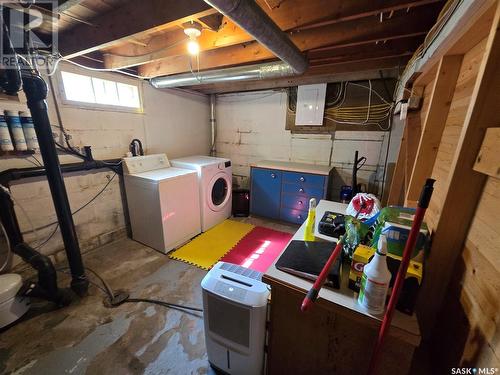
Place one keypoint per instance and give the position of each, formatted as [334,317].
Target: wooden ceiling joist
[130,21]
[291,15]
[342,34]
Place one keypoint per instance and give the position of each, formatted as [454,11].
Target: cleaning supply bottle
[16,130]
[29,130]
[375,280]
[311,217]
[5,140]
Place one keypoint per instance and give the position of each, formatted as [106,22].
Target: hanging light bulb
[193,47]
[193,31]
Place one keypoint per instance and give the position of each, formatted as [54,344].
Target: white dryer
[163,202]
[215,177]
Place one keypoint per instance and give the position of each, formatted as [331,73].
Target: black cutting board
[307,258]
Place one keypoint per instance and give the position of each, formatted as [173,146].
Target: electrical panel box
[310,105]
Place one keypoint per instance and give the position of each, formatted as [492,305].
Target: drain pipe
[213,125]
[239,73]
[251,18]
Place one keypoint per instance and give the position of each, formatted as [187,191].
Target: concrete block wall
[251,127]
[172,122]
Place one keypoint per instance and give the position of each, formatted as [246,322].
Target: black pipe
[19,173]
[10,80]
[35,89]
[47,277]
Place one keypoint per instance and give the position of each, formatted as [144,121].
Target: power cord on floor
[116,298]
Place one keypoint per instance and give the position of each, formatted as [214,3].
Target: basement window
[100,92]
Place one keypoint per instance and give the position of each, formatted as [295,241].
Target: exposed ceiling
[337,36]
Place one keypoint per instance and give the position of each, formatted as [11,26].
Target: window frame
[98,106]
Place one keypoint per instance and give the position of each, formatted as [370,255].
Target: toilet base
[13,309]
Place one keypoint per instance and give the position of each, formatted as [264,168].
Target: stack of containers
[17,131]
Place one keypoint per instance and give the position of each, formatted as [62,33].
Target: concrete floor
[134,338]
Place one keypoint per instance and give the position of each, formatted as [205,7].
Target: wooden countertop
[293,167]
[342,300]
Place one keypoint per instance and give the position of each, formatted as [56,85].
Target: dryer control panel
[139,164]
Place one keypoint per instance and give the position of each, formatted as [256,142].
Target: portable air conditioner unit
[235,309]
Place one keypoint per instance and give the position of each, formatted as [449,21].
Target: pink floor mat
[258,249]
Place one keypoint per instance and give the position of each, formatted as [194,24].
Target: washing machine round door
[219,190]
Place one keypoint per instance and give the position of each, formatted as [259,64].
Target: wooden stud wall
[461,315]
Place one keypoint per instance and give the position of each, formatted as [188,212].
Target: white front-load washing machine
[215,181]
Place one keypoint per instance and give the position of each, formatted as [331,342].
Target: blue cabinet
[283,194]
[265,192]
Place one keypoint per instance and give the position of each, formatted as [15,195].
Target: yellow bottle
[311,217]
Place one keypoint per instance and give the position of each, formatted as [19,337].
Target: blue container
[345,193]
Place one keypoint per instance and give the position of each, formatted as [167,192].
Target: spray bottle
[375,280]
[311,217]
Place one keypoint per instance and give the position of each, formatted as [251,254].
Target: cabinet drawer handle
[301,203]
[301,190]
[302,179]
[273,175]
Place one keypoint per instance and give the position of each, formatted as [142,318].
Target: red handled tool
[423,203]
[313,293]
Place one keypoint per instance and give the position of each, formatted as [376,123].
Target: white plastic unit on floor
[235,308]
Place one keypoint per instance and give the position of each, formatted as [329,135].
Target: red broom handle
[313,293]
[423,203]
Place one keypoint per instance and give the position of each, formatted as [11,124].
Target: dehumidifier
[235,309]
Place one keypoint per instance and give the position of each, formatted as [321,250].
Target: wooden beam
[413,131]
[372,8]
[395,196]
[464,185]
[464,30]
[288,16]
[488,159]
[343,34]
[392,47]
[129,21]
[435,120]
[319,74]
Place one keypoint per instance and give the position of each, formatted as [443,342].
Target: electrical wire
[149,53]
[372,114]
[73,213]
[60,58]
[37,161]
[110,294]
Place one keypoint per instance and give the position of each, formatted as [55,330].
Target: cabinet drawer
[265,192]
[304,178]
[297,201]
[308,191]
[293,216]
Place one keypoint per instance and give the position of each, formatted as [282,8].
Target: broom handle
[423,203]
[313,293]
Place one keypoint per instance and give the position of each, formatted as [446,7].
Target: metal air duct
[239,73]
[251,18]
